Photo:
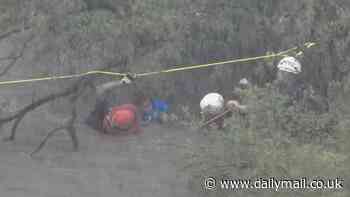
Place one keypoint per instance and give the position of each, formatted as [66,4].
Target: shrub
[280,141]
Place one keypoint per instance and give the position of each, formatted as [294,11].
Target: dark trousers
[96,116]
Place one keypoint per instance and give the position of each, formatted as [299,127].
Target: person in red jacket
[122,118]
[120,115]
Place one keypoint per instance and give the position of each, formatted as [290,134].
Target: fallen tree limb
[13,31]
[18,116]
[51,133]
[75,91]
[15,58]
[21,113]
[69,127]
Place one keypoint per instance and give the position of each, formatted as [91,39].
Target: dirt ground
[142,165]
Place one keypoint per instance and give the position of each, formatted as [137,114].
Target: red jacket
[135,127]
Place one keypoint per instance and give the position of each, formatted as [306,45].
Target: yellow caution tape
[182,68]
[93,72]
[179,68]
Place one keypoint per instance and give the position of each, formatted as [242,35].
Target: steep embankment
[104,166]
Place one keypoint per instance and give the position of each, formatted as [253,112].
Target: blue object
[147,116]
[158,107]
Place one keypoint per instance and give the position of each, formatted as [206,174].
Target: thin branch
[8,67]
[21,113]
[37,104]
[9,58]
[75,91]
[51,133]
[14,59]
[84,82]
[68,126]
[13,31]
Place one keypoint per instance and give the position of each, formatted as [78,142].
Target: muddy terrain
[142,165]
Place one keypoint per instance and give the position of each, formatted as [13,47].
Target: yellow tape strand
[180,68]
[61,77]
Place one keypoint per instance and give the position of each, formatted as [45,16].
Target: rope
[93,72]
[180,68]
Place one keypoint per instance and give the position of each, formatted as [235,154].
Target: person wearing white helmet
[290,83]
[244,83]
[213,104]
[240,94]
[290,65]
[288,68]
[288,79]
[240,89]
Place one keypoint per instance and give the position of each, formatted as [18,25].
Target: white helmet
[212,103]
[289,64]
[243,81]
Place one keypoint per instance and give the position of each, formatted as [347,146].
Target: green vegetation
[146,35]
[279,142]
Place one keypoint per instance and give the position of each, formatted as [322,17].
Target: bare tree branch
[9,58]
[51,133]
[75,91]
[14,59]
[8,67]
[13,31]
[21,113]
[68,126]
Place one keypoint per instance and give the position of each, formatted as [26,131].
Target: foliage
[146,35]
[281,141]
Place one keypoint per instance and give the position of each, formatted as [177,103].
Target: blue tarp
[158,106]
